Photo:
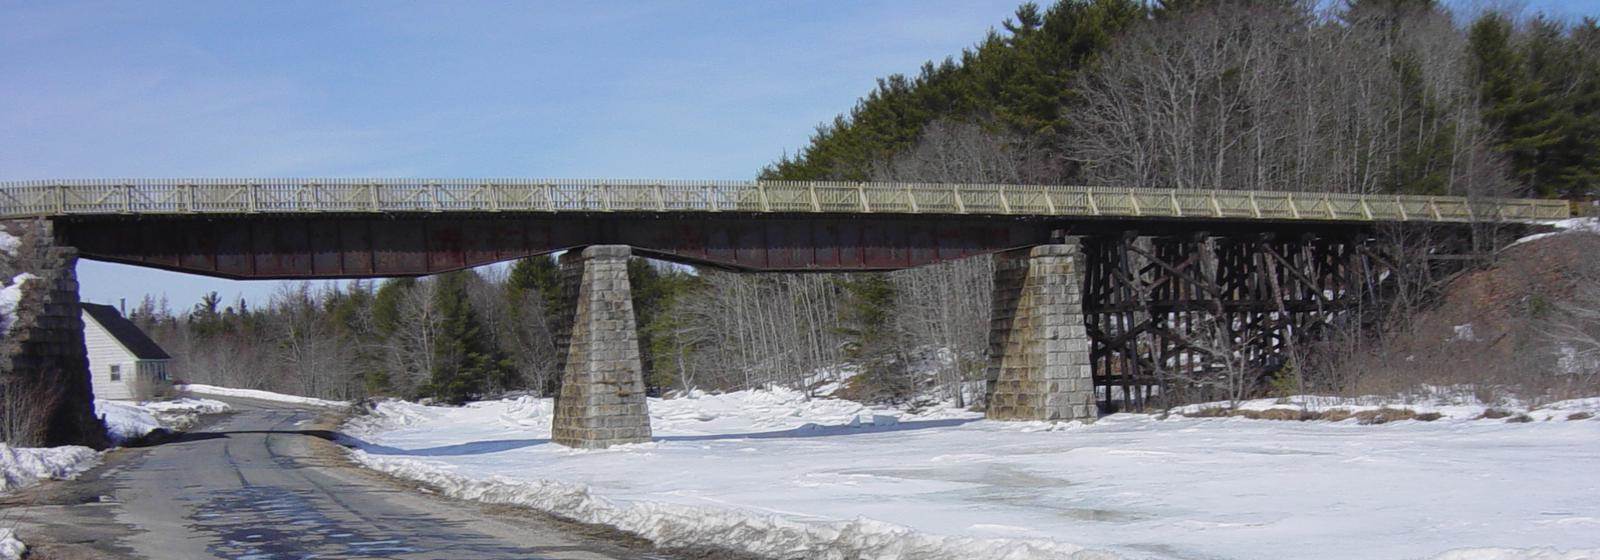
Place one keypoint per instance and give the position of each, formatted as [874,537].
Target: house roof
[126,333]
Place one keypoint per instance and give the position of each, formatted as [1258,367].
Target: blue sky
[680,89]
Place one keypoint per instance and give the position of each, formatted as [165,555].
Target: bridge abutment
[601,401]
[1038,346]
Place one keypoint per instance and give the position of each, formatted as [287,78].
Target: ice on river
[774,473]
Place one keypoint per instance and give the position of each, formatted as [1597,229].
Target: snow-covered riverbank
[776,474]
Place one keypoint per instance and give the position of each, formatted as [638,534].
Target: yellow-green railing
[288,196]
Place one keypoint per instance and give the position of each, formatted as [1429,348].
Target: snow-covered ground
[255,394]
[10,547]
[126,420]
[1569,225]
[26,466]
[773,473]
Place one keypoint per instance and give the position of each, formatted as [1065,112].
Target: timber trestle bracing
[1180,318]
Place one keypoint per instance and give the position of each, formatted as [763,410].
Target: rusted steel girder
[362,245]
[354,246]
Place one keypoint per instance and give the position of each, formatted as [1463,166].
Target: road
[259,484]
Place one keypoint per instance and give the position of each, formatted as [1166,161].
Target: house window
[116,373]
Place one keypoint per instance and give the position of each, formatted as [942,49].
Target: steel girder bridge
[1165,280]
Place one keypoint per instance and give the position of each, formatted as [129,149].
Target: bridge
[1104,298]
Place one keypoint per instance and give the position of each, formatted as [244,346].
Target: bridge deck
[301,196]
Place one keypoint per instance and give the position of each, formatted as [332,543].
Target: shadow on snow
[496,446]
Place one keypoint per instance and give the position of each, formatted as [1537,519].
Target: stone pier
[601,401]
[46,398]
[1038,347]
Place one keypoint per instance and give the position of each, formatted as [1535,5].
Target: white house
[123,361]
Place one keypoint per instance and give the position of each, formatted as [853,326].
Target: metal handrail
[291,196]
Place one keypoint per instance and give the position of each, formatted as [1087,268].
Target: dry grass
[1580,416]
[1366,417]
[1494,414]
[1519,419]
[1509,352]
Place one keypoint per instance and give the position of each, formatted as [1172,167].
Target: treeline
[470,334]
[1372,96]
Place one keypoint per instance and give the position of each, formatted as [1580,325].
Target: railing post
[1177,210]
[861,189]
[1005,203]
[661,198]
[961,205]
[1094,207]
[761,190]
[1366,209]
[1434,204]
[494,196]
[1327,199]
[127,198]
[61,199]
[1133,199]
[1216,206]
[1293,209]
[372,195]
[1401,204]
[816,203]
[1255,207]
[1049,203]
[711,197]
[912,200]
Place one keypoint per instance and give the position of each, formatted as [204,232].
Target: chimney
[122,306]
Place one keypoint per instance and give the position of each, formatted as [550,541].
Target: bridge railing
[281,196]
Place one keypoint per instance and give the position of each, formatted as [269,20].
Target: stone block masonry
[46,397]
[1038,346]
[601,401]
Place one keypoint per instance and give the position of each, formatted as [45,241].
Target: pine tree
[467,362]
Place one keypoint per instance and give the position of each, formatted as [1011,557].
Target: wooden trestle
[1177,318]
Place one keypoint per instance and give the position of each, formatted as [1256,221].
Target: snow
[1450,403]
[1519,554]
[1569,225]
[256,394]
[124,421]
[8,245]
[775,474]
[26,466]
[10,547]
[127,421]
[10,295]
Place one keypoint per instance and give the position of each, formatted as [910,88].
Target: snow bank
[258,395]
[772,472]
[26,466]
[127,421]
[1456,404]
[770,535]
[1570,225]
[10,547]
[1519,554]
[10,295]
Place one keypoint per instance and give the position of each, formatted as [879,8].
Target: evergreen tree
[868,323]
[467,362]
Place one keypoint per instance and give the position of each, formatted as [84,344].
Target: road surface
[253,486]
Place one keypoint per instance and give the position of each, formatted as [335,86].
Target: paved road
[250,486]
